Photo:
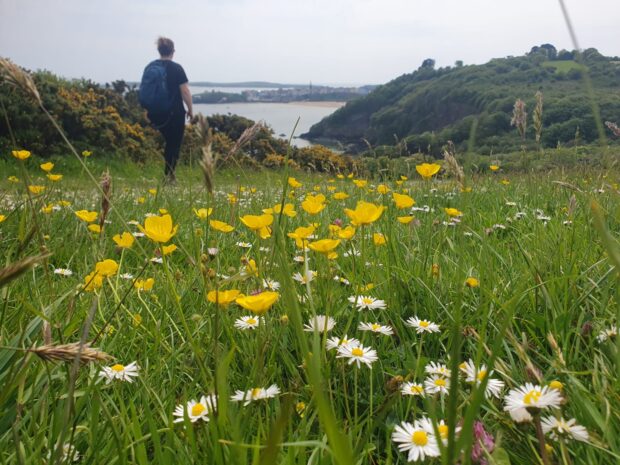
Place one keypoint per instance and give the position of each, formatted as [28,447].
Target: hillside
[429,106]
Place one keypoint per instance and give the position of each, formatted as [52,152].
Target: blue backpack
[154,95]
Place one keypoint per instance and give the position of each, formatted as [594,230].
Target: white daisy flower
[306,278]
[271,284]
[443,430]
[120,372]
[422,326]
[243,245]
[196,410]
[412,389]
[149,215]
[433,368]
[137,234]
[367,303]
[436,384]
[352,253]
[342,280]
[264,249]
[511,204]
[320,323]
[335,342]
[424,208]
[376,328]
[416,439]
[358,354]
[248,322]
[133,223]
[213,251]
[157,260]
[477,375]
[607,333]
[255,394]
[520,215]
[299,259]
[63,271]
[530,396]
[126,276]
[558,427]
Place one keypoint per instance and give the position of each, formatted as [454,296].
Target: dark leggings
[173,135]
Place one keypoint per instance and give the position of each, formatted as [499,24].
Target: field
[461,322]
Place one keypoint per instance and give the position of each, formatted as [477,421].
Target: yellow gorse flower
[364,213]
[86,215]
[402,201]
[21,154]
[324,246]
[124,241]
[159,228]
[221,226]
[259,303]
[223,298]
[428,170]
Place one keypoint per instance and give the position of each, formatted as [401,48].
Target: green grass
[563,66]
[537,279]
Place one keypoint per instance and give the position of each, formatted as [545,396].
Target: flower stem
[541,439]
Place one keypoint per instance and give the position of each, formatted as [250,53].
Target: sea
[281,117]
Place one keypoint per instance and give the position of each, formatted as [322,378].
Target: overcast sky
[290,41]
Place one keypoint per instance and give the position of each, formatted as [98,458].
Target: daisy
[126,276]
[412,389]
[248,322]
[376,328]
[255,394]
[422,326]
[358,354]
[243,245]
[120,372]
[367,302]
[133,223]
[520,215]
[271,284]
[157,260]
[306,278]
[436,384]
[417,439]
[137,234]
[63,271]
[320,323]
[196,410]
[352,253]
[477,375]
[299,259]
[443,430]
[213,251]
[433,368]
[335,342]
[530,396]
[342,280]
[558,427]
[607,333]
[425,209]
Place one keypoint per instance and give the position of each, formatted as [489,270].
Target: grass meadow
[479,320]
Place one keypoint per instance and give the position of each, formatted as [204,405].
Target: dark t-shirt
[175,76]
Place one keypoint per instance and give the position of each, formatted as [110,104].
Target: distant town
[279,93]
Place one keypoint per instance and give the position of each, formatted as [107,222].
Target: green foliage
[473,103]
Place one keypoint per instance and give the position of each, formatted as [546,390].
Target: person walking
[163,90]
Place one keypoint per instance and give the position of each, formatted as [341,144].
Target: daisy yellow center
[532,397]
[256,392]
[424,323]
[419,438]
[367,301]
[440,382]
[375,326]
[556,385]
[443,430]
[198,409]
[481,375]
[416,389]
[357,352]
[251,321]
[118,368]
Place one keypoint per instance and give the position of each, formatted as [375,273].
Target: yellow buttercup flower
[313,204]
[93,281]
[223,298]
[404,219]
[383,189]
[36,189]
[54,177]
[144,284]
[301,234]
[346,233]
[221,226]
[106,268]
[402,201]
[259,224]
[294,183]
[21,154]
[259,303]
[472,282]
[289,210]
[324,246]
[86,215]
[168,249]
[95,228]
[428,170]
[203,213]
[379,239]
[2,218]
[364,213]
[340,196]
[86,153]
[453,212]
[48,209]
[47,167]
[153,191]
[159,228]
[14,179]
[494,167]
[361,183]
[124,241]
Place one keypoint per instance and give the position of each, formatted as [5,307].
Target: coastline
[325,104]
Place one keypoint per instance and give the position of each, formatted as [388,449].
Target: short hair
[165,46]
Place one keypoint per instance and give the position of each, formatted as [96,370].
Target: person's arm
[187,99]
